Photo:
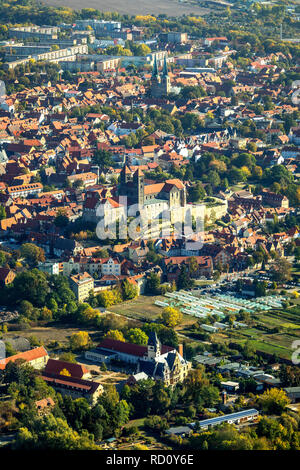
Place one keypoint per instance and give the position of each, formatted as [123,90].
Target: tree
[86,314]
[102,158]
[259,288]
[61,220]
[68,357]
[78,184]
[118,50]
[184,281]
[65,372]
[193,265]
[137,336]
[109,297]
[281,270]
[80,340]
[257,172]
[289,375]
[251,146]
[152,284]
[51,433]
[197,193]
[129,290]
[103,253]
[2,213]
[115,334]
[45,314]
[140,49]
[269,428]
[31,286]
[161,397]
[9,350]
[245,159]
[273,401]
[116,411]
[171,317]
[279,174]
[194,383]
[32,254]
[26,308]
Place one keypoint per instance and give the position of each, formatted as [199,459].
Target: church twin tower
[160,85]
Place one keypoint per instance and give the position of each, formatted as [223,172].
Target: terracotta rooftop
[128,348]
[54,367]
[28,356]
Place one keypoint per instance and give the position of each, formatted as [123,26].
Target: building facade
[160,84]
[82,285]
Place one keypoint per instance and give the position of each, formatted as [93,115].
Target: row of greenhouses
[220,304]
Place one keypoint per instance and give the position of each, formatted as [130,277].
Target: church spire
[155,73]
[154,346]
[165,68]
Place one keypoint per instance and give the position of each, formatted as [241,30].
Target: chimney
[180,349]
[224,397]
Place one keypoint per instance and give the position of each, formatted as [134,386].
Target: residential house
[82,285]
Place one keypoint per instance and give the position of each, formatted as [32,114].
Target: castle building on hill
[160,84]
[165,200]
[133,185]
[161,206]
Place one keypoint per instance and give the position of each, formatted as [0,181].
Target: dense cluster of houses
[47,164]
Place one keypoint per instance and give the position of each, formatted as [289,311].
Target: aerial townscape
[150,225]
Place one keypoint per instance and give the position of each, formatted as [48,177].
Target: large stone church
[160,84]
[138,191]
[162,203]
[154,199]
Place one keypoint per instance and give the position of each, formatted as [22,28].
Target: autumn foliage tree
[32,254]
[115,334]
[171,317]
[80,340]
[273,401]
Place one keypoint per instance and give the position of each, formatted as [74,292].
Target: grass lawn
[143,308]
[272,348]
[60,333]
[139,423]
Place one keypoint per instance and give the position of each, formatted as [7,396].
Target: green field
[263,336]
[143,308]
[272,332]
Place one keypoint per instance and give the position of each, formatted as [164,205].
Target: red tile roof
[28,356]
[128,348]
[44,403]
[87,386]
[54,367]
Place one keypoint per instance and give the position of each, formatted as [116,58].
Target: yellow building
[81,285]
